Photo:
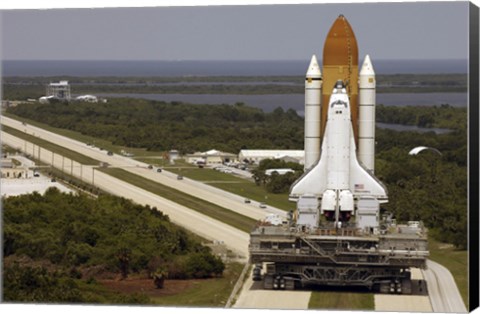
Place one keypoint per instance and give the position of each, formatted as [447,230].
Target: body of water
[296,101]
[246,68]
[270,102]
[211,68]
[401,127]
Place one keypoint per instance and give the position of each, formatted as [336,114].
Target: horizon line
[232,60]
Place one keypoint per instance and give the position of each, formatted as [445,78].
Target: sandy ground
[402,303]
[416,273]
[14,187]
[252,296]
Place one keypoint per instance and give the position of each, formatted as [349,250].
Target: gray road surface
[253,296]
[198,223]
[443,291]
[203,191]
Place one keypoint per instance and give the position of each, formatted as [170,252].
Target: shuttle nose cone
[314,69]
[367,67]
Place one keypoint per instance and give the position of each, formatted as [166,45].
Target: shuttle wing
[314,180]
[362,182]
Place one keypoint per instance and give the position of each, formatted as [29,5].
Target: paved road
[253,297]
[203,191]
[443,291]
[402,303]
[200,224]
[24,161]
[13,187]
[443,295]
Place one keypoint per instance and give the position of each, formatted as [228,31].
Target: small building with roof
[9,170]
[257,155]
[210,157]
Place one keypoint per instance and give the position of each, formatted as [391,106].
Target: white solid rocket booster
[366,115]
[313,93]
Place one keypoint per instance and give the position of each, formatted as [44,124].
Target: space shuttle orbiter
[338,177]
[338,117]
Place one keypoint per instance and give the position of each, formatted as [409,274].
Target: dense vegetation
[277,183]
[74,237]
[443,116]
[22,88]
[163,126]
[429,187]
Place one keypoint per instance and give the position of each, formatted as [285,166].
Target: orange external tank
[340,62]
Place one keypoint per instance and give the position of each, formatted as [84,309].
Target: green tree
[28,284]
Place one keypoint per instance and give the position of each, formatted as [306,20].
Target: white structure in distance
[60,90]
[87,98]
[257,155]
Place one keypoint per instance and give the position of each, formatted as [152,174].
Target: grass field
[107,145]
[204,174]
[227,216]
[341,300]
[456,261]
[254,192]
[57,149]
[153,160]
[222,214]
[235,185]
[230,183]
[211,293]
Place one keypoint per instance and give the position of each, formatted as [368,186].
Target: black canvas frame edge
[473,157]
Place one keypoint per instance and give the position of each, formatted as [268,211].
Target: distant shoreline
[266,92]
[211,68]
[268,103]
